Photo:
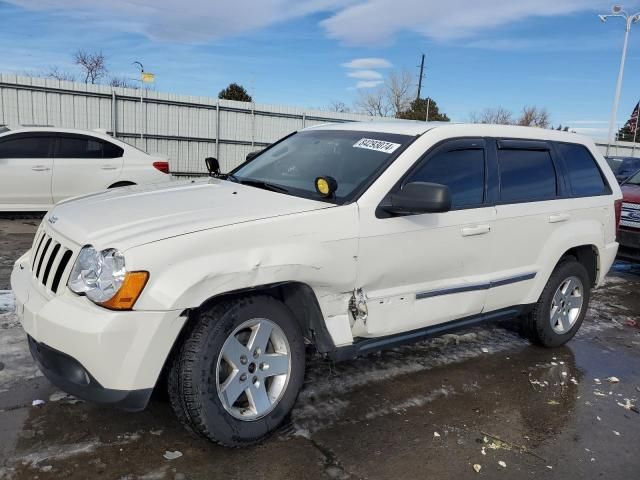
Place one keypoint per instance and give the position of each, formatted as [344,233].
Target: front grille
[630,215]
[49,261]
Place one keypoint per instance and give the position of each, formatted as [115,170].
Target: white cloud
[368,63]
[368,83]
[190,21]
[377,21]
[364,22]
[365,75]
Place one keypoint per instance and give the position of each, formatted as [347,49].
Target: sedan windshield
[352,158]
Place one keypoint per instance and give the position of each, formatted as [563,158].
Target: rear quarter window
[584,174]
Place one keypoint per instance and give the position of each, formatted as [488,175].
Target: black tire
[192,376]
[537,323]
[121,184]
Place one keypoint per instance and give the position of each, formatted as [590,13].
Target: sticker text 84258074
[377,145]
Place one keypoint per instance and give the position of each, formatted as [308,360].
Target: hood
[631,193]
[130,216]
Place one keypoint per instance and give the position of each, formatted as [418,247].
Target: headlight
[102,276]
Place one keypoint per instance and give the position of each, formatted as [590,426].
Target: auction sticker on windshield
[377,145]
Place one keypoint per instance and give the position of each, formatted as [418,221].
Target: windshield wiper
[231,177]
[263,185]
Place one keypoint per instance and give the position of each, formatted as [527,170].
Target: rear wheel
[559,312]
[239,371]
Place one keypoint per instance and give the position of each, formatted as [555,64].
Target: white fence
[620,149]
[184,128]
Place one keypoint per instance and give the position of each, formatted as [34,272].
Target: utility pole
[421,77]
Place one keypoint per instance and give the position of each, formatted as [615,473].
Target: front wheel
[239,371]
[561,308]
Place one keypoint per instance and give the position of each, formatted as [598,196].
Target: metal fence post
[304,120]
[218,130]
[114,115]
[253,124]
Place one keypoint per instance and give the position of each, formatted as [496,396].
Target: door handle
[40,168]
[108,167]
[559,217]
[475,230]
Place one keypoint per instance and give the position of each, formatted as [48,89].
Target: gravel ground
[433,410]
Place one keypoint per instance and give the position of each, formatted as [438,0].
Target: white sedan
[39,166]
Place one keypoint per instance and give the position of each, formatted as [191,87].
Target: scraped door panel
[423,270]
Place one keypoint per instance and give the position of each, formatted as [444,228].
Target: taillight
[618,208]
[162,166]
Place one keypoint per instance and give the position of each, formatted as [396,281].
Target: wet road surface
[432,410]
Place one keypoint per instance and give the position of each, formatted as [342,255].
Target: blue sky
[551,53]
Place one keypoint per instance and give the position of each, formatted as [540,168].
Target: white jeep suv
[352,237]
[39,166]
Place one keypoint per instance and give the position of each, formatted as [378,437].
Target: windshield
[615,164]
[351,158]
[635,180]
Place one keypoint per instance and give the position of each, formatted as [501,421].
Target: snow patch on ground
[14,350]
[57,452]
[7,301]
[417,401]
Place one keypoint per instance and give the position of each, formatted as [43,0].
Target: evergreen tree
[235,92]
[418,111]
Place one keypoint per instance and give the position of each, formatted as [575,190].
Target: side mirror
[419,197]
[252,155]
[213,166]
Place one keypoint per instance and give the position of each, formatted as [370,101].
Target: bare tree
[497,115]
[391,98]
[374,102]
[123,82]
[338,106]
[400,91]
[534,117]
[57,74]
[93,64]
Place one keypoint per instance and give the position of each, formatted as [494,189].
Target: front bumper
[91,352]
[629,244]
[68,374]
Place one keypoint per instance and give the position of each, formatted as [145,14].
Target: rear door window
[526,175]
[584,175]
[25,146]
[80,146]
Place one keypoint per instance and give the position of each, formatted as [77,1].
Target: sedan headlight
[103,278]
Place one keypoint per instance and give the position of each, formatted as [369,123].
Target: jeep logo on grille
[53,219]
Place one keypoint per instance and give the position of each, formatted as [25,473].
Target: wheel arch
[123,183]
[297,296]
[589,257]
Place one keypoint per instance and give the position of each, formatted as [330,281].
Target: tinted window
[461,170]
[584,174]
[526,175]
[25,147]
[86,147]
[109,150]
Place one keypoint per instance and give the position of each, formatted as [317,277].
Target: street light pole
[629,20]
[141,98]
